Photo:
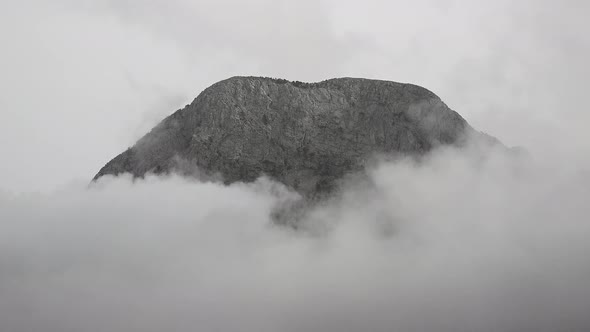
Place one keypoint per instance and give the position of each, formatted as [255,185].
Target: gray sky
[82,80]
[457,243]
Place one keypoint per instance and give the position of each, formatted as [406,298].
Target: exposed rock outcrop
[305,135]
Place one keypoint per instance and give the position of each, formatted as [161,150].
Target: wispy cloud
[454,243]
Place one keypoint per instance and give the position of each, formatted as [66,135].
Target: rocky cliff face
[306,136]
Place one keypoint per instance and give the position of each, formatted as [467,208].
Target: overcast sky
[456,243]
[82,80]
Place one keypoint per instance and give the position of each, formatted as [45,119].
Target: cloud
[456,242]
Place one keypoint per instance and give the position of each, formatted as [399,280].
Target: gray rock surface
[305,135]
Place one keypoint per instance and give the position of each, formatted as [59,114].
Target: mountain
[305,135]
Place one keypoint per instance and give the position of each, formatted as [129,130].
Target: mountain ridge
[305,135]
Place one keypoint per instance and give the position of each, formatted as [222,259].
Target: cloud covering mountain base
[461,241]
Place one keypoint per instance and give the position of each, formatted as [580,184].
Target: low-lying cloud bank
[459,242]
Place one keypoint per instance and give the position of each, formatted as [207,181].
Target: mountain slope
[305,135]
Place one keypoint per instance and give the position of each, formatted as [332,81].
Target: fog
[460,241]
[464,240]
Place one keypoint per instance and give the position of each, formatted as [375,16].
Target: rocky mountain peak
[305,135]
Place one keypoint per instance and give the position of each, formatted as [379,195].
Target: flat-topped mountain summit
[305,135]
